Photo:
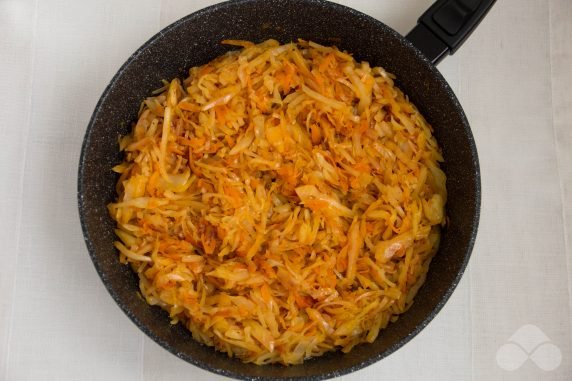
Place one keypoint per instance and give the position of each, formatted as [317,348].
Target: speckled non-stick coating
[194,40]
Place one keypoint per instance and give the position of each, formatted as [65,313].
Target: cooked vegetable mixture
[281,202]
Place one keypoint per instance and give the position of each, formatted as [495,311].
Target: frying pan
[195,40]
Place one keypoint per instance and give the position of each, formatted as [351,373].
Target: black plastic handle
[443,28]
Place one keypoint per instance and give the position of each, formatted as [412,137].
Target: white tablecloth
[514,79]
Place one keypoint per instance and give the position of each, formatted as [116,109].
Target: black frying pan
[195,40]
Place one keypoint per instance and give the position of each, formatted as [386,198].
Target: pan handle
[443,28]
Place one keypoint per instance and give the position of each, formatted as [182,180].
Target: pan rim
[235,373]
